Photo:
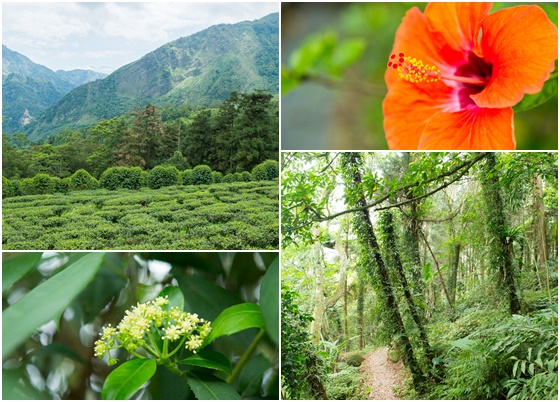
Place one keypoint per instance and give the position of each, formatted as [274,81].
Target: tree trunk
[351,163]
[388,228]
[501,259]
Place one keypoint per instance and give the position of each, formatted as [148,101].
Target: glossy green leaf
[209,387]
[548,91]
[236,319]
[269,300]
[16,267]
[46,301]
[175,296]
[126,379]
[208,359]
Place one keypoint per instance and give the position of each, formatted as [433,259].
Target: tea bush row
[133,178]
[243,216]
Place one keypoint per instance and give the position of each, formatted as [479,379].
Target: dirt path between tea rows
[381,374]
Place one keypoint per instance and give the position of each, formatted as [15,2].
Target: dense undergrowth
[225,216]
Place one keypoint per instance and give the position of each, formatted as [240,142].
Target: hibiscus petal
[414,39]
[522,45]
[407,108]
[456,22]
[472,128]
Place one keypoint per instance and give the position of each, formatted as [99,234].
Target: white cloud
[69,35]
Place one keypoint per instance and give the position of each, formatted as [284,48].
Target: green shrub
[216,177]
[40,184]
[16,183]
[121,177]
[355,359]
[202,174]
[236,177]
[162,176]
[344,384]
[7,188]
[228,178]
[61,185]
[82,180]
[144,178]
[268,170]
[246,176]
[188,177]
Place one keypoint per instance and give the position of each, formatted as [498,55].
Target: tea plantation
[221,216]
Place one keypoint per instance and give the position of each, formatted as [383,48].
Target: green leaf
[175,296]
[348,52]
[126,379]
[46,301]
[209,387]
[15,268]
[427,272]
[463,343]
[208,359]
[236,319]
[269,296]
[548,91]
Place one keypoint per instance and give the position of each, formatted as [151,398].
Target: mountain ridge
[198,69]
[28,88]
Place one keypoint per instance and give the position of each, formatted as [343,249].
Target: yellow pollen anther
[413,70]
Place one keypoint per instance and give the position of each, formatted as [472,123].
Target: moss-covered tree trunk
[501,254]
[388,228]
[375,265]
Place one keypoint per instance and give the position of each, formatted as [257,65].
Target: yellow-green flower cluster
[145,323]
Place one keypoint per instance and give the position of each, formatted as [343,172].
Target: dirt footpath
[381,374]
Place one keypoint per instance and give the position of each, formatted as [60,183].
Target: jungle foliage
[449,259]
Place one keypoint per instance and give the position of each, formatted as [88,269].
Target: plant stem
[245,358]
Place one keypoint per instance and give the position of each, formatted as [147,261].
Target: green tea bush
[188,177]
[8,189]
[40,184]
[162,176]
[344,384]
[202,174]
[61,185]
[246,176]
[236,177]
[268,170]
[144,178]
[16,183]
[82,180]
[228,178]
[216,177]
[122,177]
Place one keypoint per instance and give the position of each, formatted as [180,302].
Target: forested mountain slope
[29,88]
[199,70]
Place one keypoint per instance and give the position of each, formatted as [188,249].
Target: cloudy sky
[106,36]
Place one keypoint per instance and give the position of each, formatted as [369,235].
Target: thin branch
[438,271]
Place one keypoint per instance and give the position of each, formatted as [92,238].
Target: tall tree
[501,253]
[351,164]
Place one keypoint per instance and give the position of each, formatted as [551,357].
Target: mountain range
[199,70]
[29,88]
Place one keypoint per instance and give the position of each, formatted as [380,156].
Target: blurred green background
[352,41]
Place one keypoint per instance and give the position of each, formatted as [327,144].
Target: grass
[225,216]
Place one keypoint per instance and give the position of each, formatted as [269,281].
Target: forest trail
[381,374]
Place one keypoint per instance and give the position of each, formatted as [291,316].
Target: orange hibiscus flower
[457,70]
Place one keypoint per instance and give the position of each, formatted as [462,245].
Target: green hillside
[29,88]
[199,69]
